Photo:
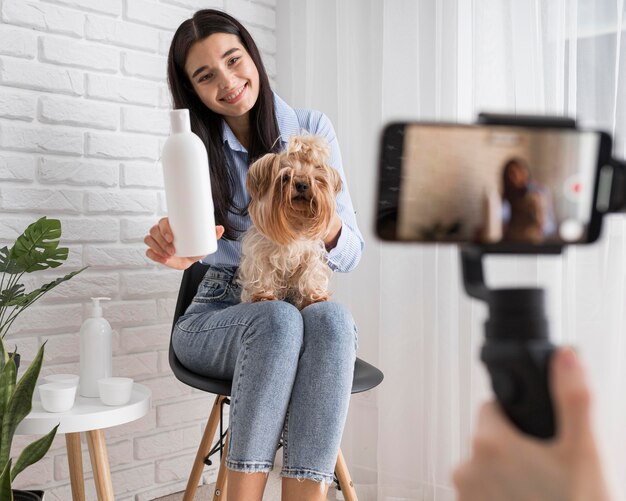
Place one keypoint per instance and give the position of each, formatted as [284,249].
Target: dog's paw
[262,296]
[314,297]
[319,296]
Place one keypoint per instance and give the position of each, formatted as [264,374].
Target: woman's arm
[344,242]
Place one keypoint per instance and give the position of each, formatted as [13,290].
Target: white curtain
[365,63]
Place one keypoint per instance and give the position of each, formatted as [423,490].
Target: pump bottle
[188,189]
[96,357]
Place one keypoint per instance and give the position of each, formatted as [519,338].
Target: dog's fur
[291,207]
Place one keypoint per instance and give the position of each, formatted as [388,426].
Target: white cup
[115,390]
[57,397]
[61,378]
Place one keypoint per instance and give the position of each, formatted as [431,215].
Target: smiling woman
[291,369]
[211,57]
[225,79]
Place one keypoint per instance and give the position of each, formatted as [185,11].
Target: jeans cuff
[305,474]
[249,466]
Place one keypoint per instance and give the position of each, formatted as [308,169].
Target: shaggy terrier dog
[291,207]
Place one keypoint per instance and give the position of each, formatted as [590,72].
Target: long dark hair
[510,191]
[206,123]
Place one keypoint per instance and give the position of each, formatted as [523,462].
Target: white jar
[96,357]
[188,189]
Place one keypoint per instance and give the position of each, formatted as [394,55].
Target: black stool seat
[366,376]
[211,385]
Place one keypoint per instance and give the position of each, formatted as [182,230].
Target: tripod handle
[519,378]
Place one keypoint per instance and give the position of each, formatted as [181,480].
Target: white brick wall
[83,117]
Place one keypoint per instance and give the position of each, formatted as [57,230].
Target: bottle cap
[180,121]
[96,309]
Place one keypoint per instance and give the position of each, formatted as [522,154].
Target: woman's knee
[330,323]
[276,322]
[329,314]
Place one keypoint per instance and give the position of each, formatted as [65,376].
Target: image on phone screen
[488,184]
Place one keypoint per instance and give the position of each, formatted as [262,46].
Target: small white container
[57,397]
[61,378]
[115,390]
[95,350]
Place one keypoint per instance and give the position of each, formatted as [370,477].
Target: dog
[292,203]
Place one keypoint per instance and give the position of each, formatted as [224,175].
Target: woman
[527,215]
[291,370]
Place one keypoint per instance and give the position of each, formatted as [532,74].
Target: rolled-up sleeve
[347,253]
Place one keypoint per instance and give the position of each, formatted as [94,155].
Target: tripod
[517,350]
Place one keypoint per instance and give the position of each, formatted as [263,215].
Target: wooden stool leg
[345,482]
[221,484]
[75,461]
[100,465]
[203,450]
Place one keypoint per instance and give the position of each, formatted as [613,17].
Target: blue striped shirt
[347,253]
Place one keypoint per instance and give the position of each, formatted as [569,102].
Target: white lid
[180,121]
[96,309]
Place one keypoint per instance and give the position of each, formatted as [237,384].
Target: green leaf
[38,247]
[7,387]
[26,299]
[8,265]
[8,377]
[6,494]
[33,453]
[4,354]
[14,293]
[19,405]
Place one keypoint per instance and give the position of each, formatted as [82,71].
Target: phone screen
[489,184]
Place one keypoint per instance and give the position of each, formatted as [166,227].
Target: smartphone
[491,185]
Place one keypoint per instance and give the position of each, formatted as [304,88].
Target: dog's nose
[302,187]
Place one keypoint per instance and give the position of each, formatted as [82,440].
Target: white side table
[91,416]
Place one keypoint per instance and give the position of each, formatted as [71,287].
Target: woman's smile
[235,96]
[225,78]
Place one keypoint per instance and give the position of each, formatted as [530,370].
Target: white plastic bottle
[188,189]
[96,357]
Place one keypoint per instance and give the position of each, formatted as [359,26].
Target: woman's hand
[161,248]
[506,465]
[334,231]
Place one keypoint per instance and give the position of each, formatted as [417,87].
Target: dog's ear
[335,179]
[313,149]
[261,174]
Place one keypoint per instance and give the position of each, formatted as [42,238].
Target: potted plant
[37,248]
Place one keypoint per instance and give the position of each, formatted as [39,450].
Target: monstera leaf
[11,294]
[22,300]
[8,265]
[38,247]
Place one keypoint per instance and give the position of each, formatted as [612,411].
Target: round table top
[87,414]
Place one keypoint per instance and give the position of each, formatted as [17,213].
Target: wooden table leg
[75,461]
[100,465]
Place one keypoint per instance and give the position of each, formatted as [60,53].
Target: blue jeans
[291,371]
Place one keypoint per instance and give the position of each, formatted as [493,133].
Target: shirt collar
[286,118]
[228,137]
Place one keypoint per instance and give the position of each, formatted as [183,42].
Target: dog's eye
[286,178]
